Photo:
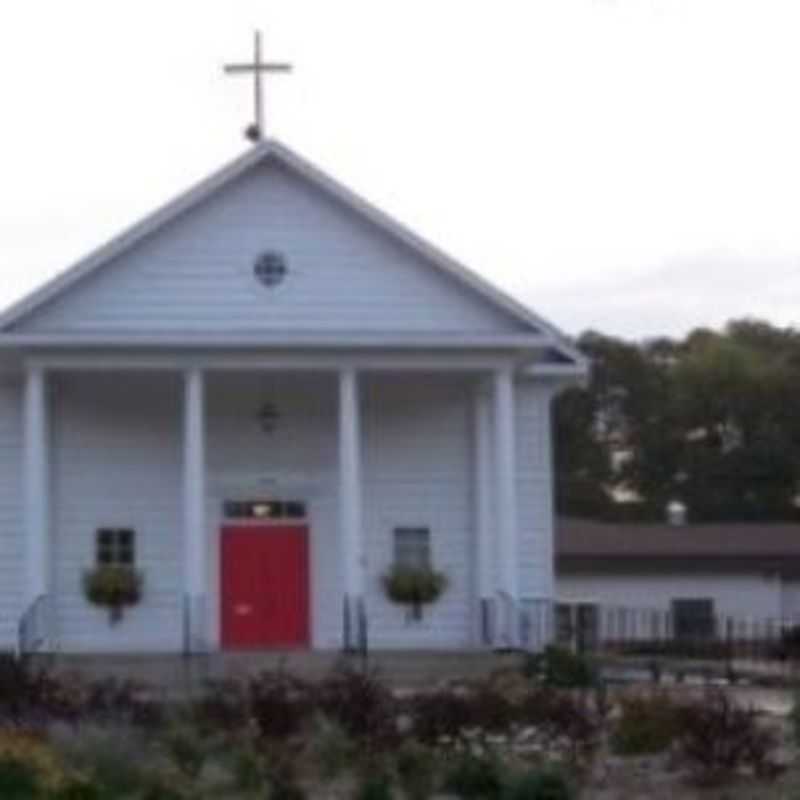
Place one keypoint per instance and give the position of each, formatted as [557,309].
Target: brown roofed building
[739,571]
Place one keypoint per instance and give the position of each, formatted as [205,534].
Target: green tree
[708,419]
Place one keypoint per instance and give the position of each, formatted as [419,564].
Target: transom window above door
[264,509]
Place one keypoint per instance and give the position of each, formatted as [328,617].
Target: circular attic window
[270,268]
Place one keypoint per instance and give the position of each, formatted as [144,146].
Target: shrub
[560,716]
[115,757]
[330,748]
[647,724]
[490,710]
[442,714]
[475,776]
[18,780]
[560,669]
[248,766]
[282,776]
[186,749]
[279,704]
[222,707]
[375,786]
[717,738]
[23,753]
[794,718]
[416,769]
[127,701]
[360,704]
[28,693]
[541,784]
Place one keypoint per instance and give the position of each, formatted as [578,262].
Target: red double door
[264,586]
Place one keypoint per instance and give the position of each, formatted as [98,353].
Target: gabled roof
[274,150]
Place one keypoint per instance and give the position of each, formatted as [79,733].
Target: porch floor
[399,669]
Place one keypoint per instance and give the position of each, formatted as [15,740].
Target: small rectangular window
[412,548]
[693,618]
[115,547]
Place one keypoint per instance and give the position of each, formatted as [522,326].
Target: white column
[484,562]
[506,498]
[194,522]
[350,508]
[36,489]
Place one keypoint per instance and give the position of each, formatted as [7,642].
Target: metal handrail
[194,615]
[507,626]
[33,626]
[509,623]
[355,637]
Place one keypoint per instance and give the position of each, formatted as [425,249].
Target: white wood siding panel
[418,473]
[117,464]
[744,596]
[534,489]
[11,539]
[196,274]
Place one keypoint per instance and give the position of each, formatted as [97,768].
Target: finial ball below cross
[255,131]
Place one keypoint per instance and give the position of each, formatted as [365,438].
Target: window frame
[115,547]
[697,626]
[404,555]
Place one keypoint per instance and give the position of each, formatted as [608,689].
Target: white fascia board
[366,341]
[283,361]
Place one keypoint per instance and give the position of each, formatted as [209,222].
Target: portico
[485,390]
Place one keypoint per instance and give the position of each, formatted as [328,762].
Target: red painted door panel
[264,586]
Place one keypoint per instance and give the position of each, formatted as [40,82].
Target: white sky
[628,166]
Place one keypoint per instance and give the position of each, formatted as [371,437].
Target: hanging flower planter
[113,587]
[414,587]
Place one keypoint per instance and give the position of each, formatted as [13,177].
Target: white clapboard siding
[534,489]
[117,464]
[417,466]
[196,274]
[11,543]
[744,596]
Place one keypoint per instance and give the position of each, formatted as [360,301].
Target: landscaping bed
[548,732]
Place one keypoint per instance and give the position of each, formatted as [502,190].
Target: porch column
[35,488]
[484,562]
[506,511]
[350,512]
[194,522]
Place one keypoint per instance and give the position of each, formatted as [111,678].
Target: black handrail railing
[33,629]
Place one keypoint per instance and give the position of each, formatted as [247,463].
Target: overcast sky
[627,166]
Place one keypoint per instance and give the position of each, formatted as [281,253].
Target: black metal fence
[684,632]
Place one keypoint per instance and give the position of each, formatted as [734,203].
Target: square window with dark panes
[115,547]
[693,618]
[412,548]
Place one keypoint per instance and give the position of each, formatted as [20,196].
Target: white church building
[261,397]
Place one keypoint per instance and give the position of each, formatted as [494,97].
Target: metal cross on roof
[255,131]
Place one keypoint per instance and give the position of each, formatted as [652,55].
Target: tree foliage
[709,419]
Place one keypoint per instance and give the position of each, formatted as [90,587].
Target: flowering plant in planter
[114,587]
[414,587]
